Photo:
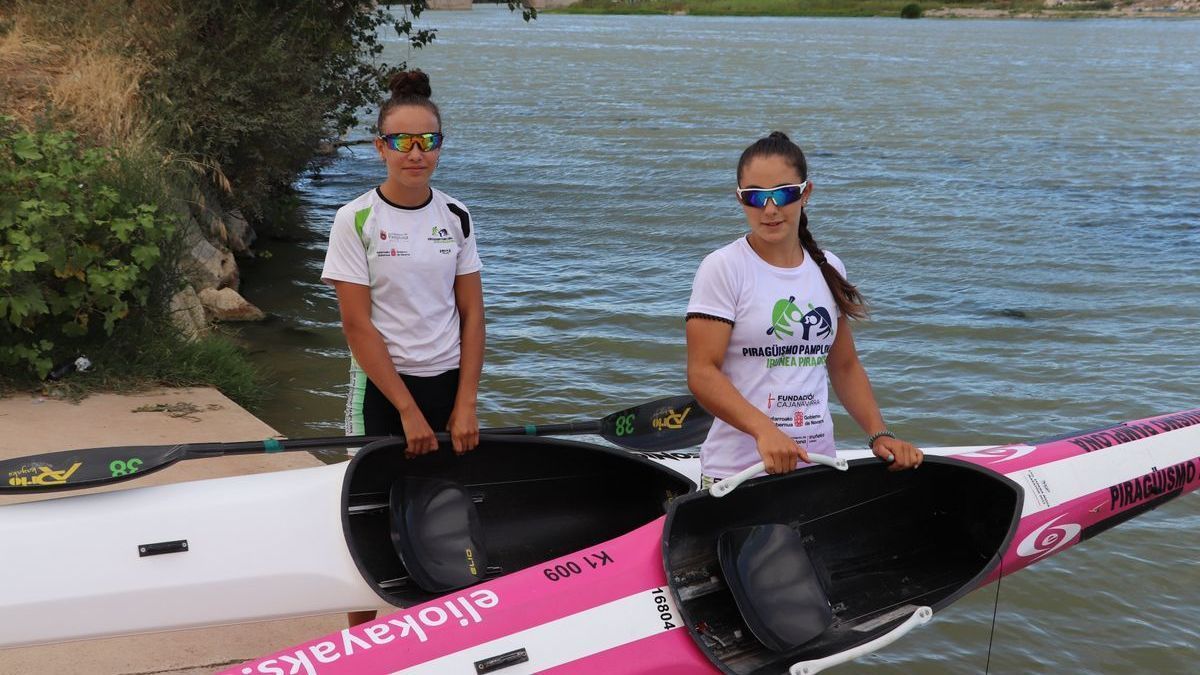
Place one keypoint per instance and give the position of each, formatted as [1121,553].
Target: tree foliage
[246,89]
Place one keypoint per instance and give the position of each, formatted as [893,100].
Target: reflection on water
[1018,201]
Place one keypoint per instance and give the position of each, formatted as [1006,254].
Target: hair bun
[780,135]
[410,83]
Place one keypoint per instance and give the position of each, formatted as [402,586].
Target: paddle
[663,424]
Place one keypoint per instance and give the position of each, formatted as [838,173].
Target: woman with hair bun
[403,261]
[768,330]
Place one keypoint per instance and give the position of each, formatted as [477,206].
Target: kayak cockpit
[437,533]
[787,569]
[419,528]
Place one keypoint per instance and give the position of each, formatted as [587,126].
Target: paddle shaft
[281,445]
[663,424]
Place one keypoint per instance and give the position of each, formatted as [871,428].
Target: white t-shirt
[409,258]
[784,324]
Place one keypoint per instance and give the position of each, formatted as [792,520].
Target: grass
[153,358]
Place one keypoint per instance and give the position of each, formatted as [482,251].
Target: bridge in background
[466,4]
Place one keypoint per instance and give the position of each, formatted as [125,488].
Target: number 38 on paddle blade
[669,423]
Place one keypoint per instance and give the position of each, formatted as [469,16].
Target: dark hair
[777,144]
[409,87]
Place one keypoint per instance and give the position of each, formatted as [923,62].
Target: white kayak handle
[919,617]
[726,485]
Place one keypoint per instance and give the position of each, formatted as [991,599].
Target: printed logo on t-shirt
[786,318]
[796,419]
[439,234]
[790,400]
[786,312]
[393,236]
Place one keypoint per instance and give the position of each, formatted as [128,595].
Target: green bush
[77,254]
[911,11]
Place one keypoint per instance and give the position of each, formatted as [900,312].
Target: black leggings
[434,396]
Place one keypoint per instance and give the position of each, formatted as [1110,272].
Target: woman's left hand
[901,454]
[464,429]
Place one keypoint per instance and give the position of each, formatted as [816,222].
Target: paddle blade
[74,469]
[662,424]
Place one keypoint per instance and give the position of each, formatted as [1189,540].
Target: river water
[1019,201]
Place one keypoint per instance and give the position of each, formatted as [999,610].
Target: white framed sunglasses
[782,195]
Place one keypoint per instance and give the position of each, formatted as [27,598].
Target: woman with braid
[768,330]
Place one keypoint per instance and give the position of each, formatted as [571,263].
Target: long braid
[849,301]
[845,294]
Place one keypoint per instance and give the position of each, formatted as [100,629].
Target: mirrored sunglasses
[405,142]
[782,195]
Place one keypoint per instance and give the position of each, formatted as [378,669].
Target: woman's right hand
[779,451]
[418,433]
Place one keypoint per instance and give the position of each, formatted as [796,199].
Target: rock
[239,236]
[187,314]
[227,305]
[205,265]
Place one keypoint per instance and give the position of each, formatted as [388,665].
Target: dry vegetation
[28,69]
[71,73]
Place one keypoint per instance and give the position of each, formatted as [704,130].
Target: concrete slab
[30,425]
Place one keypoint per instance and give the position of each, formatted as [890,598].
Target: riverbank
[34,424]
[1017,9]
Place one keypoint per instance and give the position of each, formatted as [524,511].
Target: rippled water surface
[1019,201]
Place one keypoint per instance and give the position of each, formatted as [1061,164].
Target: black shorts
[434,396]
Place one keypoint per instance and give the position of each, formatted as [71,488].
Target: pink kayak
[784,574]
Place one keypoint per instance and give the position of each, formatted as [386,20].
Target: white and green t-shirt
[409,258]
[784,323]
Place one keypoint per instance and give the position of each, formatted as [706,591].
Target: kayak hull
[296,543]
[244,548]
